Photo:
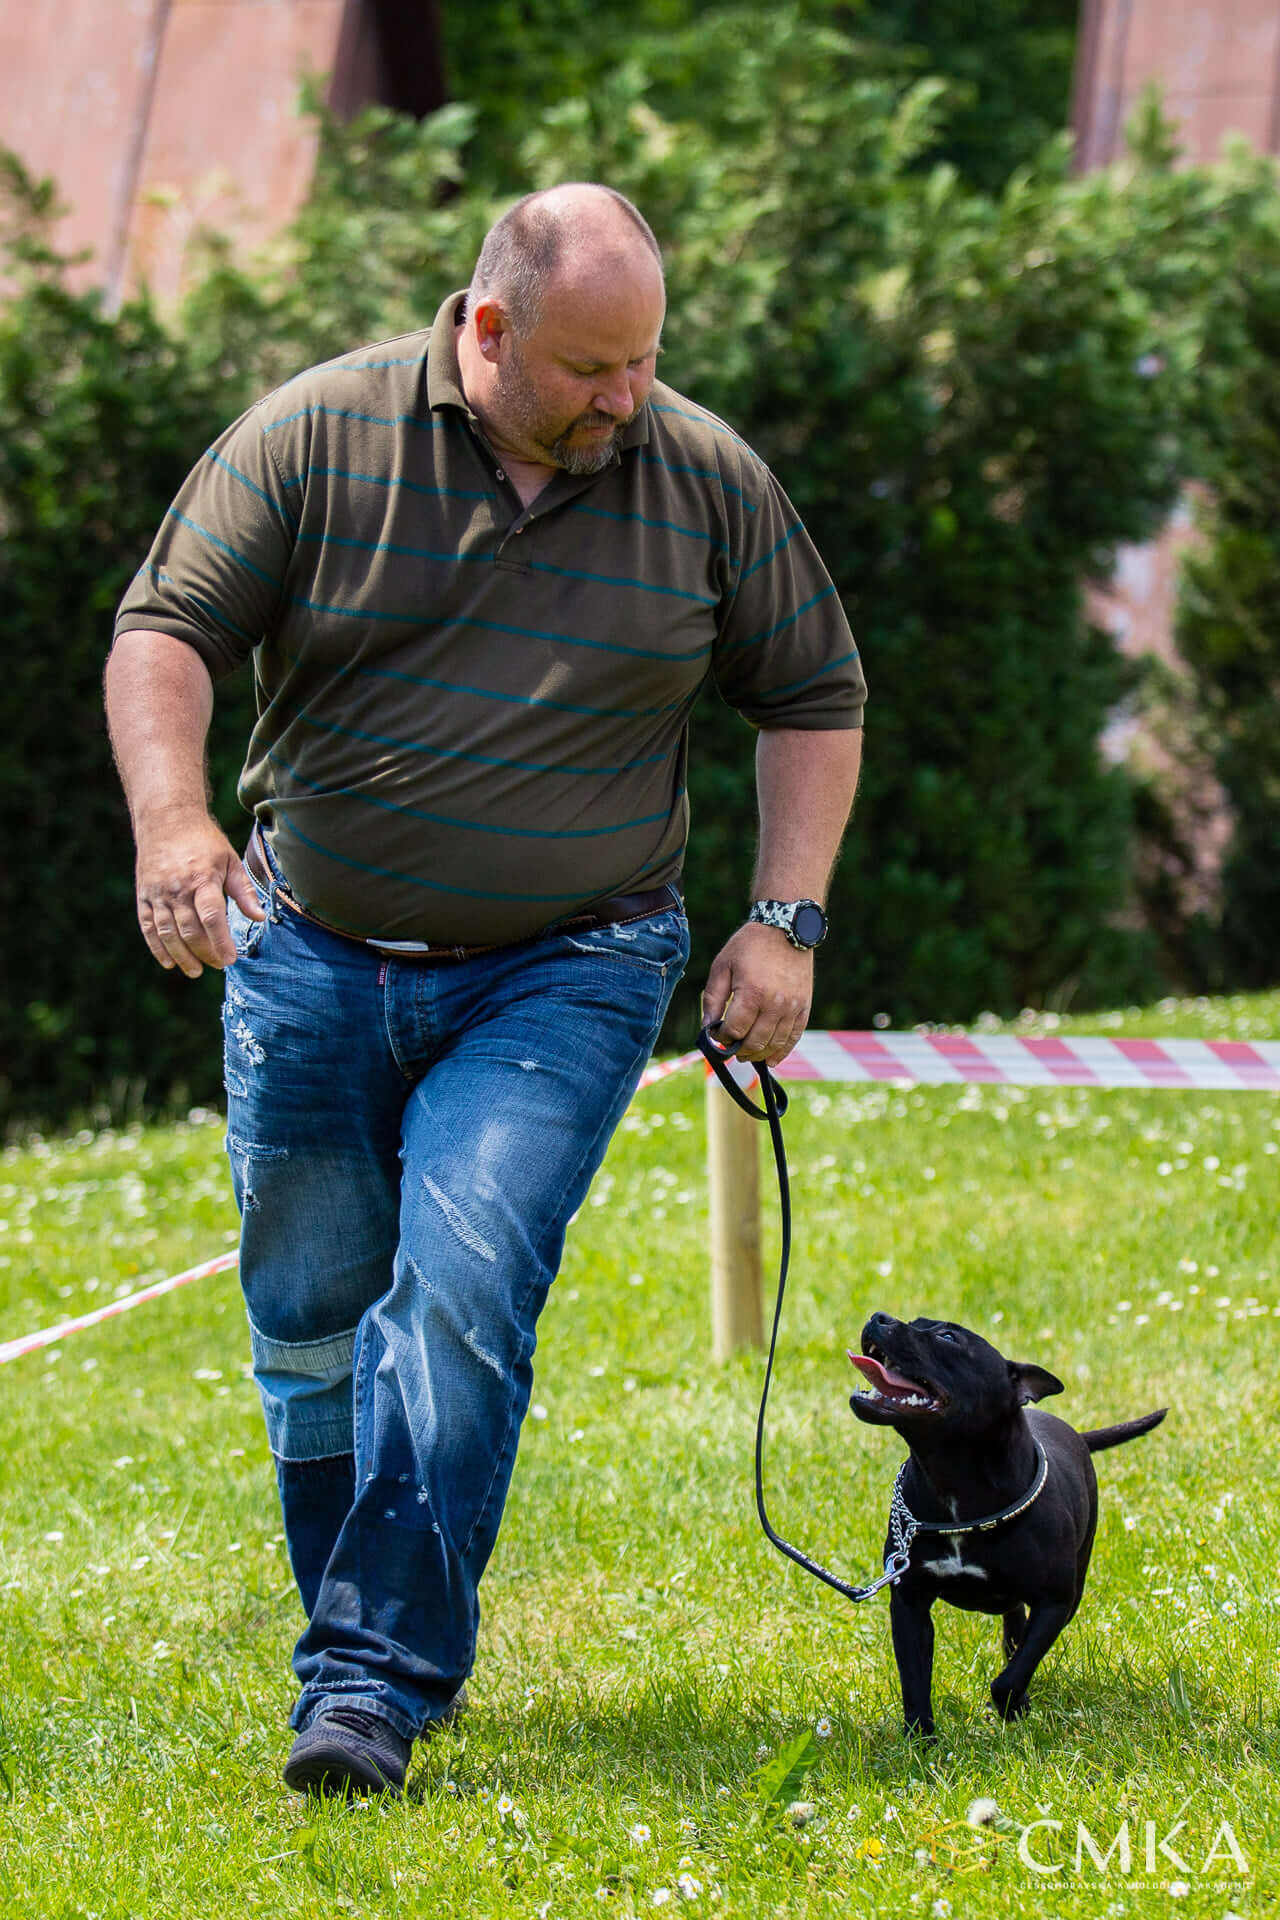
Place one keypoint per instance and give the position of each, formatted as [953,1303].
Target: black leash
[775,1105]
[903,1525]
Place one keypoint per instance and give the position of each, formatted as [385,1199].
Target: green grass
[648,1665]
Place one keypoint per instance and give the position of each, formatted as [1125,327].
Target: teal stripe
[596,646]
[704,420]
[773,552]
[794,686]
[389,546]
[771,633]
[381,480]
[416,880]
[699,473]
[475,826]
[479,759]
[666,526]
[437,886]
[613,580]
[252,485]
[242,559]
[499,626]
[206,606]
[520,699]
[349,413]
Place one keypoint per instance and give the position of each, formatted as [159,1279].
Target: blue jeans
[408,1144]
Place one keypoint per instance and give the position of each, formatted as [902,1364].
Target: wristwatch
[803,921]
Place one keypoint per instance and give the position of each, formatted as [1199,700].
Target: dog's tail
[1103,1437]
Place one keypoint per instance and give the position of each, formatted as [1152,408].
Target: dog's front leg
[1009,1690]
[911,1622]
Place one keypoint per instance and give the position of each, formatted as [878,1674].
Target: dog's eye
[945,1333]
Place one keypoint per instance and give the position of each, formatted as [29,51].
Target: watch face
[809,924]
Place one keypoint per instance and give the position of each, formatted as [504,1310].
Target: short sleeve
[216,568]
[785,656]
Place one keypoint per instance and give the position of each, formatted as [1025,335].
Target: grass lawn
[655,1686]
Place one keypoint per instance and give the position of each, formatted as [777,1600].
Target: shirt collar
[444,376]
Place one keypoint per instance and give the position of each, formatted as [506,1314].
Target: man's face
[564,392]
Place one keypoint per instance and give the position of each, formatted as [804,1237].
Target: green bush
[99,420]
[971,399]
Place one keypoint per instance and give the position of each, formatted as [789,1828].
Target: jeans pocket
[246,933]
[659,943]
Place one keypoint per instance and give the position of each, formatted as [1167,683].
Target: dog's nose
[881,1321]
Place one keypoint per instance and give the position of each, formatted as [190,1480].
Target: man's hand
[186,871]
[760,989]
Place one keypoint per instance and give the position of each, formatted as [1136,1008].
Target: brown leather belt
[613,912]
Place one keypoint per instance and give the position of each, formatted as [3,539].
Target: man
[482,573]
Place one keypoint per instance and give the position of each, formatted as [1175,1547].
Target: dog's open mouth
[894,1390]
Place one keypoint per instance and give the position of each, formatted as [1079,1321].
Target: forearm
[805,784]
[159,701]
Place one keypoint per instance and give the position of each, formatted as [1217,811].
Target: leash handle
[775,1105]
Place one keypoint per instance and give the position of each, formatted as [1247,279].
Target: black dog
[977,1457]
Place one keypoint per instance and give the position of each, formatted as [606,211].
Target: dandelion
[981,1813]
[870,1849]
[800,1812]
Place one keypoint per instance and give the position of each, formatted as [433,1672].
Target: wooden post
[733,1169]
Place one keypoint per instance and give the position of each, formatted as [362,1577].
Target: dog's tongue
[881,1376]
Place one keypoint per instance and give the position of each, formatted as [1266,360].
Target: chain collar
[903,1525]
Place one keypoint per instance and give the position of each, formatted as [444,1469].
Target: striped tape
[50,1336]
[998,1059]
[1002,1059]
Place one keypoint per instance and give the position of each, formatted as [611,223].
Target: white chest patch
[954,1565]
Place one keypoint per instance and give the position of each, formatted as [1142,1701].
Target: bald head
[563,235]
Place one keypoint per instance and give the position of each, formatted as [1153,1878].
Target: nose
[615,398]
[880,1323]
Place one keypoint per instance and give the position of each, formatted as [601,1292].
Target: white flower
[981,1813]
[55,1536]
[640,1834]
[823,1728]
[660,1896]
[1179,1889]
[687,1887]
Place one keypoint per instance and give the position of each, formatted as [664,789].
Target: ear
[1031,1382]
[489,323]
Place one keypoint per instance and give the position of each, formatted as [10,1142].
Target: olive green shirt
[472,715]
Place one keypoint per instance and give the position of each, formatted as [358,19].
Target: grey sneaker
[345,1751]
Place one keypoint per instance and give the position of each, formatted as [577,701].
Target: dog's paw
[919,1730]
[1008,1704]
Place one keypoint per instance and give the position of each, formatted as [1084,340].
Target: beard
[523,412]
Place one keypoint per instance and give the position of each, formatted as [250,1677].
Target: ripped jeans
[408,1144]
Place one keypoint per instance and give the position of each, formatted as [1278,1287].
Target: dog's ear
[1031,1382]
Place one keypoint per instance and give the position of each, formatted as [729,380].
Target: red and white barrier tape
[1042,1061]
[50,1336]
[994,1059]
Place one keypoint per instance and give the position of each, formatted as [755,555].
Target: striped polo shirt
[472,715]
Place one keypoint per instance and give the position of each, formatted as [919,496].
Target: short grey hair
[521,252]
